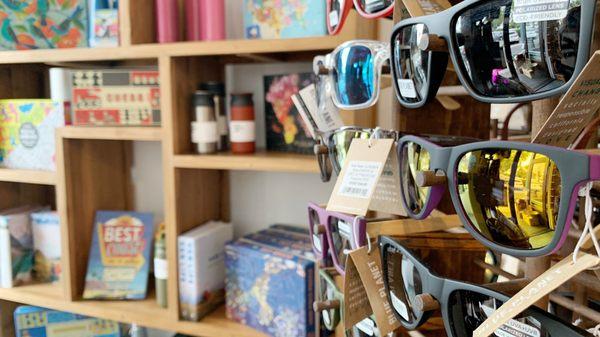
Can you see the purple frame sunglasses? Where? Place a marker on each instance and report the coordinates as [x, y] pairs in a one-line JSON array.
[[520, 213]]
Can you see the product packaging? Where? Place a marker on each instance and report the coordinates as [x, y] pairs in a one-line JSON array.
[[104, 23], [280, 19], [46, 245], [285, 128], [242, 126], [119, 258], [202, 269], [161, 267], [27, 133], [43, 24], [116, 97], [40, 322], [205, 130], [167, 21], [270, 289]]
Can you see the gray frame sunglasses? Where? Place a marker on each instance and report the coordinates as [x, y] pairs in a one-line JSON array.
[[444, 291], [443, 25], [575, 168]]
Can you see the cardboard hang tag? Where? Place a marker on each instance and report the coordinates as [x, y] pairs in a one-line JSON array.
[[576, 109], [360, 174], [425, 7], [386, 197], [534, 291], [356, 301]]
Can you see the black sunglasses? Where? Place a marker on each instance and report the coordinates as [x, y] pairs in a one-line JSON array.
[[502, 51], [414, 292]]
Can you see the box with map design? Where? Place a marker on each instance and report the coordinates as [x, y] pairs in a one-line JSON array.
[[269, 289], [284, 19], [27, 130]]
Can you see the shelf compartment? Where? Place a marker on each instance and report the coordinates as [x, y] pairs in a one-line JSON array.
[[259, 161], [28, 176], [142, 133], [145, 312]]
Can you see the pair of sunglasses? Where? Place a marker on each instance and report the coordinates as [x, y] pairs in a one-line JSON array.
[[502, 51], [415, 292], [332, 149], [351, 74], [337, 11], [516, 198], [330, 303]]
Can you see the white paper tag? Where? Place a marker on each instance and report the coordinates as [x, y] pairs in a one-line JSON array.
[[512, 328], [367, 326], [399, 306], [204, 132], [161, 269], [407, 88], [524, 11], [345, 229], [360, 179], [242, 131], [334, 18]]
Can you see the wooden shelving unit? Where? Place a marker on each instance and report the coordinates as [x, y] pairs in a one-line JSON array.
[[94, 163]]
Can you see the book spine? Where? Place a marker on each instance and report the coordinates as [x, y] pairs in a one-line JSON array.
[[6, 280]]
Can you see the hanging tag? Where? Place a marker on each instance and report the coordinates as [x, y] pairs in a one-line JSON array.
[[362, 169], [534, 291], [356, 302], [369, 268], [576, 109], [425, 7], [325, 115], [386, 197]]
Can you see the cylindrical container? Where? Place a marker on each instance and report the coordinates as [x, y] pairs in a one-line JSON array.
[[167, 21], [212, 20], [242, 128], [218, 90], [204, 122], [193, 18], [161, 267]]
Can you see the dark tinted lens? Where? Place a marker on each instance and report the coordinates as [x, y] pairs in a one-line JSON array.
[[341, 141], [468, 310], [510, 49], [404, 282], [375, 6], [353, 75], [511, 197], [414, 158], [341, 234], [335, 13], [411, 63], [316, 238]]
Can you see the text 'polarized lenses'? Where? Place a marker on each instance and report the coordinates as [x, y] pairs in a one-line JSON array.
[[404, 282], [507, 50], [468, 310], [511, 197], [354, 75], [414, 158], [411, 63]]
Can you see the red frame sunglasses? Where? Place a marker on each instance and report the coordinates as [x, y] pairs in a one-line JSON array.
[[344, 9]]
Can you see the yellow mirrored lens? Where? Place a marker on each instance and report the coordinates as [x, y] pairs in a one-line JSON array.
[[512, 197], [414, 159], [342, 141]]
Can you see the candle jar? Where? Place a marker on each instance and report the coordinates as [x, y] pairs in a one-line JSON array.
[[242, 128]]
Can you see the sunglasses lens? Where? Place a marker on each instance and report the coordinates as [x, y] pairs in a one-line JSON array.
[[341, 234], [327, 292], [375, 6], [411, 63], [316, 238], [404, 282], [341, 141], [353, 75], [523, 54], [335, 13], [414, 159], [511, 197], [467, 310]]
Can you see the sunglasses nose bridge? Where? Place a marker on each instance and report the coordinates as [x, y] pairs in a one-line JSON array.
[[426, 302], [430, 178]]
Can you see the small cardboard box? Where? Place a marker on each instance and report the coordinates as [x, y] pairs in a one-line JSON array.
[[40, 322], [282, 19]]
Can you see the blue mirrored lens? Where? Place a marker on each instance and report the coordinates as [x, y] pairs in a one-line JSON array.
[[353, 74]]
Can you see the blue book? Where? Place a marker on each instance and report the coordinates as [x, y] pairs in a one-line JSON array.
[[119, 256]]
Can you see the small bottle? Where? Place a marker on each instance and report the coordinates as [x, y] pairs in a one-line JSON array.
[[193, 18], [218, 89], [242, 128], [161, 267], [167, 21], [204, 122], [212, 20]]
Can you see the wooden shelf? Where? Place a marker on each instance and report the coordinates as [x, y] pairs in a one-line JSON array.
[[155, 50], [145, 312], [28, 176], [149, 133], [260, 161]]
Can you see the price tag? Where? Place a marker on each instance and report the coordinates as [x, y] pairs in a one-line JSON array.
[[407, 88]]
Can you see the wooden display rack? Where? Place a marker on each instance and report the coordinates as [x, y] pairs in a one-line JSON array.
[[94, 163]]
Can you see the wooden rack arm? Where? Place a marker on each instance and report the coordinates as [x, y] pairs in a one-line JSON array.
[[411, 226]]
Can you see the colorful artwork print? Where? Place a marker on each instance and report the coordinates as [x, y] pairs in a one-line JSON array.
[[34, 24], [119, 257], [27, 129], [286, 130], [274, 19]]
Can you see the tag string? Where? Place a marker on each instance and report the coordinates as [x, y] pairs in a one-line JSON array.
[[376, 134], [588, 228]]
